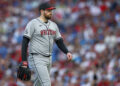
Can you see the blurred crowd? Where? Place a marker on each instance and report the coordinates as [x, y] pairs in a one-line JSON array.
[[90, 29]]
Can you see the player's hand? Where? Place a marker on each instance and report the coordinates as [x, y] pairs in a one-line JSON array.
[[69, 56]]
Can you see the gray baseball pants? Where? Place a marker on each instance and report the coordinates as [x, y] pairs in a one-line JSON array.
[[41, 66]]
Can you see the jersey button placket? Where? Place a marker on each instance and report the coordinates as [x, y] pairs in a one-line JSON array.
[[47, 26]]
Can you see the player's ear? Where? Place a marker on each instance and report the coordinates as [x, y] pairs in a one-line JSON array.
[[41, 12]]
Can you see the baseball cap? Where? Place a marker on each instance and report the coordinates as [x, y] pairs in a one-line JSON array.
[[46, 6]]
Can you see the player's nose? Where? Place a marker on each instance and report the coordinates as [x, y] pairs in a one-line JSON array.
[[50, 12]]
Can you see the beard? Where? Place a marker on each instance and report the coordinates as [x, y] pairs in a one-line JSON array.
[[47, 16]]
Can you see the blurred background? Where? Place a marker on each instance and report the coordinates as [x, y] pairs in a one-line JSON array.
[[90, 29]]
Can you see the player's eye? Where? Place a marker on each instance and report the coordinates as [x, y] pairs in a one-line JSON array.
[[49, 10]]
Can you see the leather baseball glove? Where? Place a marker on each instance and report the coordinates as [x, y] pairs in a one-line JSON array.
[[23, 71]]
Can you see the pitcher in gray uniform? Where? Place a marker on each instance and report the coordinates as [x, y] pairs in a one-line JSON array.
[[41, 33]]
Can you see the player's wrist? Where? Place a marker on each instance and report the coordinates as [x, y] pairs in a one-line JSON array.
[[24, 63], [68, 52]]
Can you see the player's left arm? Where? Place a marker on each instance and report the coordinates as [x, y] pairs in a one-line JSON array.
[[63, 48], [59, 41]]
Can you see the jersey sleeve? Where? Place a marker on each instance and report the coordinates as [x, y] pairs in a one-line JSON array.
[[29, 30], [58, 35]]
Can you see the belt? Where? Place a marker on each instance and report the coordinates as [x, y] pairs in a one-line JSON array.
[[40, 54]]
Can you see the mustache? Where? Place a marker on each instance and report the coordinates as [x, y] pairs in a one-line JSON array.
[[50, 14]]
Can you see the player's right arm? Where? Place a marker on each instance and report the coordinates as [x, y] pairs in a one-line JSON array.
[[23, 68], [26, 38], [25, 42]]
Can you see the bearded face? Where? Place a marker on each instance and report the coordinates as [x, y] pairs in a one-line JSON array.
[[48, 14]]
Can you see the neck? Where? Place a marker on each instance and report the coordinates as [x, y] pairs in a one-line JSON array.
[[42, 18]]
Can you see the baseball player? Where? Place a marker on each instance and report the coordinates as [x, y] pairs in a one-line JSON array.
[[41, 33]]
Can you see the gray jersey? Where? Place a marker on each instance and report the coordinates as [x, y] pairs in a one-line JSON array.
[[42, 36]]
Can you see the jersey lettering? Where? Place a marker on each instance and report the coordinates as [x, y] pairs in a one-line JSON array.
[[48, 32]]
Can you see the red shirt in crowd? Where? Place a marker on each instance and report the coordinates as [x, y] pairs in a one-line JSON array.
[[104, 83]]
